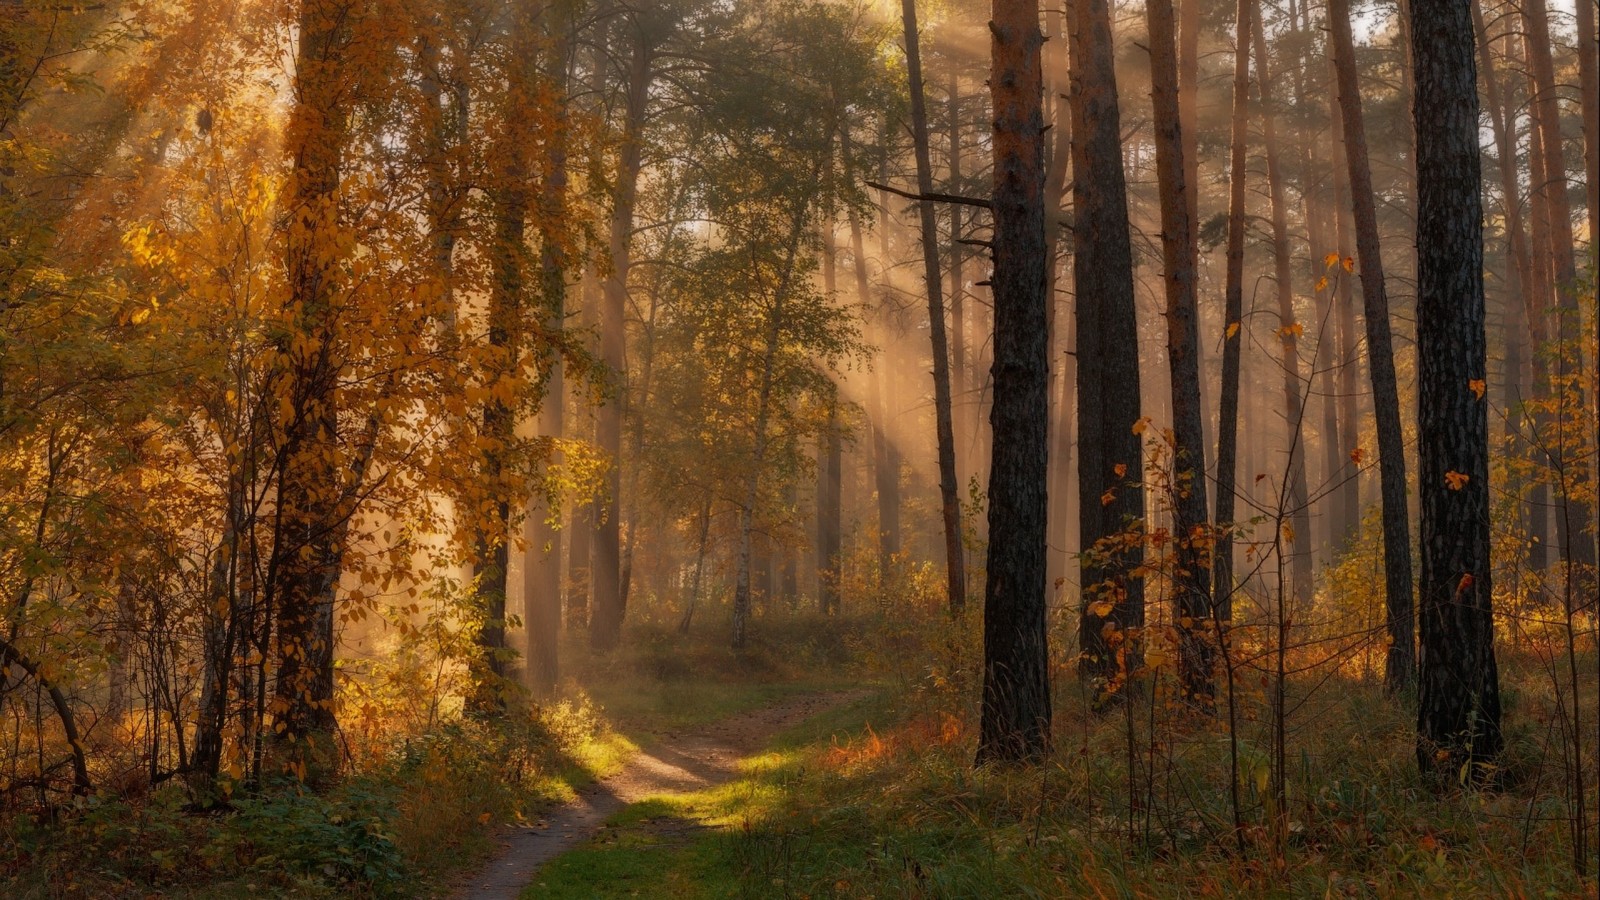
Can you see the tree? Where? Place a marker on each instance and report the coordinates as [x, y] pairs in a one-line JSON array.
[[1458, 709], [949, 490], [1180, 274], [1111, 500], [605, 622], [1015, 723], [1295, 493], [1232, 318], [1400, 661]]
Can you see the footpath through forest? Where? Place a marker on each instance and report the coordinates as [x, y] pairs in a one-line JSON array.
[[679, 762]]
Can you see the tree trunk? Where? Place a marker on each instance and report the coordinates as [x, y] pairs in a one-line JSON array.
[[1180, 268], [961, 412], [1346, 476], [605, 625], [1295, 493], [1015, 724], [1063, 360], [1573, 513], [305, 553], [949, 492], [1232, 319], [1400, 662], [830, 463], [1110, 457], [1458, 710]]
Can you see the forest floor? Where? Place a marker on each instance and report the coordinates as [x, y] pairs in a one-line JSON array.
[[669, 769]]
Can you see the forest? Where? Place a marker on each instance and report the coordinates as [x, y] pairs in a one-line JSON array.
[[799, 448]]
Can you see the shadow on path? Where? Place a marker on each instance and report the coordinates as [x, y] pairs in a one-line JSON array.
[[680, 762]]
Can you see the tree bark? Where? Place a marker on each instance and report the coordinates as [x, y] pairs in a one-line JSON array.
[[1232, 319], [949, 491], [1400, 661], [1458, 710], [1180, 269], [1015, 722], [1110, 457]]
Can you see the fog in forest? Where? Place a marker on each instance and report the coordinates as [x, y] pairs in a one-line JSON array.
[[705, 448]]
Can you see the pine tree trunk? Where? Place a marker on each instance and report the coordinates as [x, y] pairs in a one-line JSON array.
[[1525, 301], [949, 491], [1400, 662], [1232, 318], [1458, 710], [1573, 512], [1180, 272], [1110, 457], [1294, 494], [1015, 723]]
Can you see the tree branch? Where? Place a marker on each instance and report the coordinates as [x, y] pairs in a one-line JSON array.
[[933, 197]]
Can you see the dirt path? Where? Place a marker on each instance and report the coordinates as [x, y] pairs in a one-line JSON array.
[[680, 762]]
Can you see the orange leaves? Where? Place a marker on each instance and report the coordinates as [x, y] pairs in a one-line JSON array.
[[1121, 469], [1233, 330], [1477, 387], [1357, 455], [1293, 329], [1456, 480]]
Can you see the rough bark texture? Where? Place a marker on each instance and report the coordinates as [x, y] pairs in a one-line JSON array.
[[1232, 318], [1192, 575], [949, 489], [1015, 723], [1109, 454], [1400, 663], [1458, 709]]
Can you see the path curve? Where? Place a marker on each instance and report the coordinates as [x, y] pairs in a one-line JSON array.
[[679, 762]]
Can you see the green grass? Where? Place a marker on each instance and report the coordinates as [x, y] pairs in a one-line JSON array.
[[734, 824]]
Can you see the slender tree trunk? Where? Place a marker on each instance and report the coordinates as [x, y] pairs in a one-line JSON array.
[[1347, 523], [1526, 304], [830, 470], [1588, 52], [888, 475], [962, 418], [1458, 710], [605, 626], [1296, 492], [1180, 271], [1110, 457], [1015, 724], [1232, 318], [1400, 663], [1573, 512], [1063, 369], [949, 491]]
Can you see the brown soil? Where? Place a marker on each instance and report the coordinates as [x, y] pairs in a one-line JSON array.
[[678, 763]]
